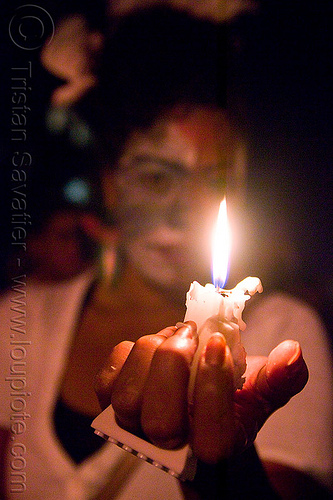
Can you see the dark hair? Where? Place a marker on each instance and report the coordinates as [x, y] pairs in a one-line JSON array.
[[154, 60]]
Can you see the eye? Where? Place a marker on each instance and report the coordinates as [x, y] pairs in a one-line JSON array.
[[157, 181]]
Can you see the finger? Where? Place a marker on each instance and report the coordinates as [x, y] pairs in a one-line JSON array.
[[284, 375], [164, 416], [270, 385], [128, 387], [107, 375], [253, 366], [213, 413]]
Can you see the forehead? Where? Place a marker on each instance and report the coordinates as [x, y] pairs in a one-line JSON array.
[[201, 137]]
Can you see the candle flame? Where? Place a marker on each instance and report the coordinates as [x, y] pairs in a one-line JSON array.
[[221, 247]]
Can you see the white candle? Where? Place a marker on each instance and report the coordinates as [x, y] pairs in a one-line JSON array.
[[218, 310]]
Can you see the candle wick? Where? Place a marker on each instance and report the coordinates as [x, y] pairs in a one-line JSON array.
[[224, 293], [227, 293]]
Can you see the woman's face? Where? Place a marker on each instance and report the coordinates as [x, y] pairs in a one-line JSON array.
[[169, 184]]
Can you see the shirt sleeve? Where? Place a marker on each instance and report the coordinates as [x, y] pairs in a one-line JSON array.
[[300, 433]]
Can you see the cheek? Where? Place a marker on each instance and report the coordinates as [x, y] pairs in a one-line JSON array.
[[202, 217], [137, 220]]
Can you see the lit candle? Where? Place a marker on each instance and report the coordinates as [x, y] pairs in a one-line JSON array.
[[214, 309]]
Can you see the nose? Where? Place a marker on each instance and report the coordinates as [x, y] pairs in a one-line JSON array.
[[179, 210]]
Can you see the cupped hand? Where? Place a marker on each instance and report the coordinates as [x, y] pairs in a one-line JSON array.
[[147, 384]]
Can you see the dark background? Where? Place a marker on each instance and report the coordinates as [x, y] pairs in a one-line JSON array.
[[287, 64]]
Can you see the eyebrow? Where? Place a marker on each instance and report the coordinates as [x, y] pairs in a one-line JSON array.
[[170, 164], [164, 162]]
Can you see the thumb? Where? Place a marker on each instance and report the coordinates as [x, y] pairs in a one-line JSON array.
[[284, 375]]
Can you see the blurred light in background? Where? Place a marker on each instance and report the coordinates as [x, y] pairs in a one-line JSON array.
[[77, 191]]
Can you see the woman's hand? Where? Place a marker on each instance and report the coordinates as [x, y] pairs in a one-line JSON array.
[[147, 384]]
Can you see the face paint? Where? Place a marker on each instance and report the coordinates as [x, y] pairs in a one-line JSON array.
[[170, 181]]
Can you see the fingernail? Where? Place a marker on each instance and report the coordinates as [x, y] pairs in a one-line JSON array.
[[215, 349], [295, 355], [186, 330]]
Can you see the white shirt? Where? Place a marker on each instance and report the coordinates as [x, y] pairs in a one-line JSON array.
[[37, 466]]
